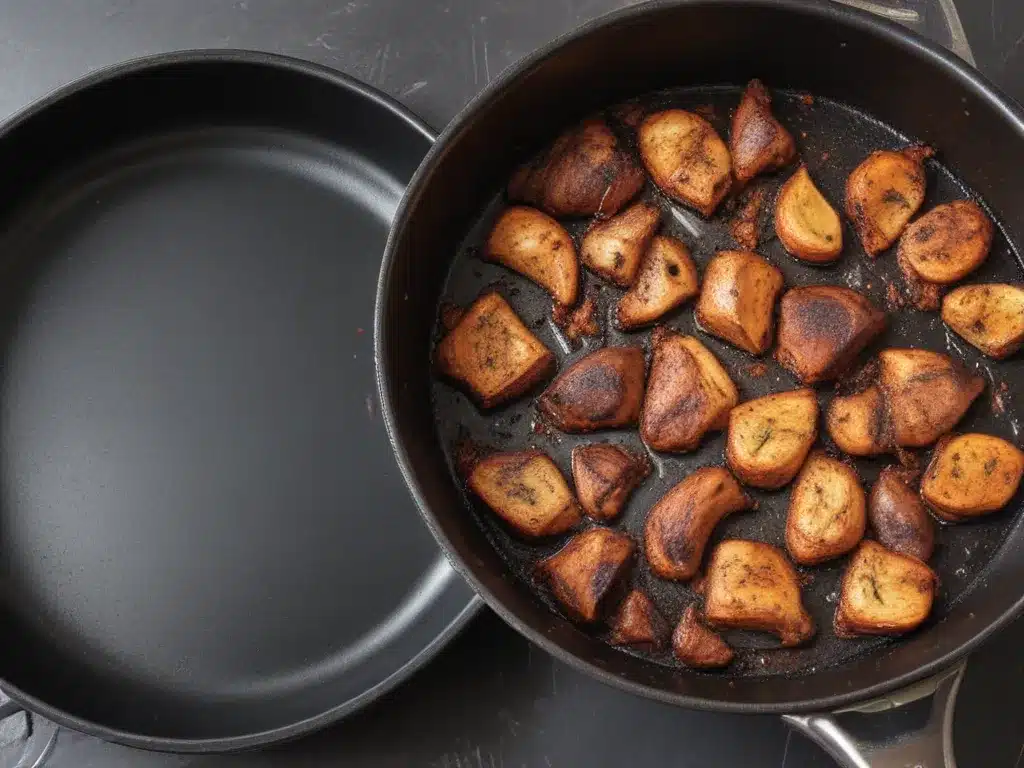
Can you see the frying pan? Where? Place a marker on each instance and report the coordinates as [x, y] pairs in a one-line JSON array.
[[836, 53]]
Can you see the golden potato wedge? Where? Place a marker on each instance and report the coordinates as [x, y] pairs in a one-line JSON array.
[[678, 526], [752, 585], [827, 514], [971, 475], [898, 516], [757, 141], [697, 646], [738, 299], [638, 623], [883, 193], [689, 393], [808, 227], [745, 226], [770, 437], [585, 172], [686, 158], [989, 317], [614, 248], [859, 424], [526, 490], [605, 476], [667, 279], [536, 246], [883, 593], [492, 354], [602, 390], [822, 329], [583, 573]]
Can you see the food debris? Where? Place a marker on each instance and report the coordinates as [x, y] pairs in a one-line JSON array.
[[806, 99], [999, 398], [578, 322], [757, 370], [893, 298], [745, 225]]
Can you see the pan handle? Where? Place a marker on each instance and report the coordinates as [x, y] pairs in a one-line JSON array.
[[931, 746]]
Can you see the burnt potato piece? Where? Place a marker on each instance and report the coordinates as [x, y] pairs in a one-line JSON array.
[[989, 317], [526, 490], [686, 158], [585, 571], [883, 593], [822, 329], [752, 585], [492, 354], [738, 299], [697, 646], [971, 475], [638, 623], [667, 279], [602, 390], [770, 437], [614, 248], [536, 246], [678, 526], [585, 172], [757, 141], [605, 476], [827, 515], [883, 193], [808, 227], [689, 393], [898, 516]]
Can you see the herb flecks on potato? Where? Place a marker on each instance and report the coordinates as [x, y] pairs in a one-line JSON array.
[[971, 475], [770, 437], [666, 280], [696, 645], [587, 569], [536, 246], [758, 142], [807, 225], [614, 248], [605, 476], [605, 389], [827, 514], [737, 300], [990, 317]]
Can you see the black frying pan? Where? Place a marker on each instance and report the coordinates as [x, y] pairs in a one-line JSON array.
[[847, 59]]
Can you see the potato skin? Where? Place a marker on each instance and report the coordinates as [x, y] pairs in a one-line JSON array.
[[583, 573], [971, 475], [614, 248], [533, 244], [602, 390], [883, 193], [758, 142], [990, 317], [667, 279], [898, 516], [697, 646], [637, 623], [605, 476], [795, 413], [737, 300], [826, 488]]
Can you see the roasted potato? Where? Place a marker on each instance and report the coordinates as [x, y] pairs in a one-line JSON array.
[[678, 526], [770, 437], [536, 246], [638, 623], [689, 393], [883, 193], [686, 158], [585, 172], [898, 516], [526, 490], [602, 390], [492, 354], [822, 329], [605, 476], [586, 570], [667, 278], [971, 475], [752, 585], [827, 515], [614, 248], [757, 141], [989, 317], [578, 321], [745, 226], [738, 299], [808, 227], [883, 593], [697, 646]]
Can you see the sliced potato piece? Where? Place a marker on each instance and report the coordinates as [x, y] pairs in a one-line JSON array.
[[536, 246], [808, 227], [757, 141], [827, 514], [605, 476], [971, 475], [990, 317], [638, 623], [738, 298], [583, 573], [697, 646], [859, 424], [605, 389], [898, 516], [614, 248], [770, 437], [667, 278], [745, 226]]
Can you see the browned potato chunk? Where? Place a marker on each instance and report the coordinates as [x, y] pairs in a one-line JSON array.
[[971, 475], [602, 390], [859, 424], [678, 526], [758, 142], [989, 317], [770, 437], [689, 393], [585, 172], [536, 246], [686, 158], [585, 570], [808, 227], [492, 354], [898, 516], [883, 593], [606, 475], [697, 646], [822, 329], [638, 623], [745, 226], [827, 514], [526, 490], [666, 280], [614, 248], [883, 193], [738, 298], [752, 585]]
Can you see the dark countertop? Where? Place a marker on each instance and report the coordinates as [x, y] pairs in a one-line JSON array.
[[490, 699]]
